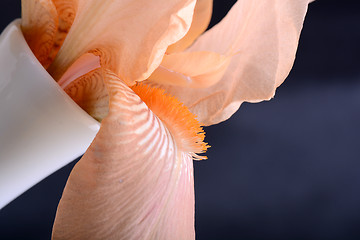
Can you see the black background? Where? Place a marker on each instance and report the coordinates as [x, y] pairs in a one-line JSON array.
[[284, 169]]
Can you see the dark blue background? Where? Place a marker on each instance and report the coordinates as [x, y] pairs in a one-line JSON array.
[[284, 169]]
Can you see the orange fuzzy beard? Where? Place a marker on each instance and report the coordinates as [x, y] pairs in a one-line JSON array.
[[187, 131]]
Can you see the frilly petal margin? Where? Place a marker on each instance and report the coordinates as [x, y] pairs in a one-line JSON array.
[[132, 182], [261, 37]]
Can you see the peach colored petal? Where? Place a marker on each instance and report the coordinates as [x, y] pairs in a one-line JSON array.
[[66, 10], [90, 93], [134, 34], [39, 22], [191, 69], [83, 82], [262, 37], [132, 183], [201, 20]]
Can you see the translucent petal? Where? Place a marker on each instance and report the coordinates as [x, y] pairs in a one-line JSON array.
[[133, 34], [191, 69], [261, 37], [201, 20]]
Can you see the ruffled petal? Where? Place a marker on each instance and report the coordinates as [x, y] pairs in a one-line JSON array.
[[201, 20], [132, 183], [39, 23], [134, 34], [261, 37]]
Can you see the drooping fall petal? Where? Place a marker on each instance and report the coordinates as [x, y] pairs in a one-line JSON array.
[[262, 37], [201, 20], [39, 22], [133, 182], [134, 34]]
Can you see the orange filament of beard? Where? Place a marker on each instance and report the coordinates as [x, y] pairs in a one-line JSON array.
[[187, 131]]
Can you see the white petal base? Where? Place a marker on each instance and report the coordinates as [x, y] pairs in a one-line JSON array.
[[41, 128]]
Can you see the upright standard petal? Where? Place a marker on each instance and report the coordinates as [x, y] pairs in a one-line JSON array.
[[133, 35], [133, 182], [201, 20], [261, 37], [39, 23], [192, 69]]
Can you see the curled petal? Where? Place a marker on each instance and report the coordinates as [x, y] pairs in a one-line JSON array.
[[262, 37], [136, 32], [132, 183], [39, 22], [201, 20]]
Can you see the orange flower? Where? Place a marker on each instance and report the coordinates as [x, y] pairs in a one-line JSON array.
[[134, 66]]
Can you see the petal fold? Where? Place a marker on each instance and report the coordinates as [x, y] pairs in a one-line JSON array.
[[191, 69], [135, 34], [201, 20], [261, 37], [132, 183]]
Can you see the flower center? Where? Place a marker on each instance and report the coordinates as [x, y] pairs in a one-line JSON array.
[[187, 131]]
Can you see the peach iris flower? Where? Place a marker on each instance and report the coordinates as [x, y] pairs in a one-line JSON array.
[[146, 70]]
